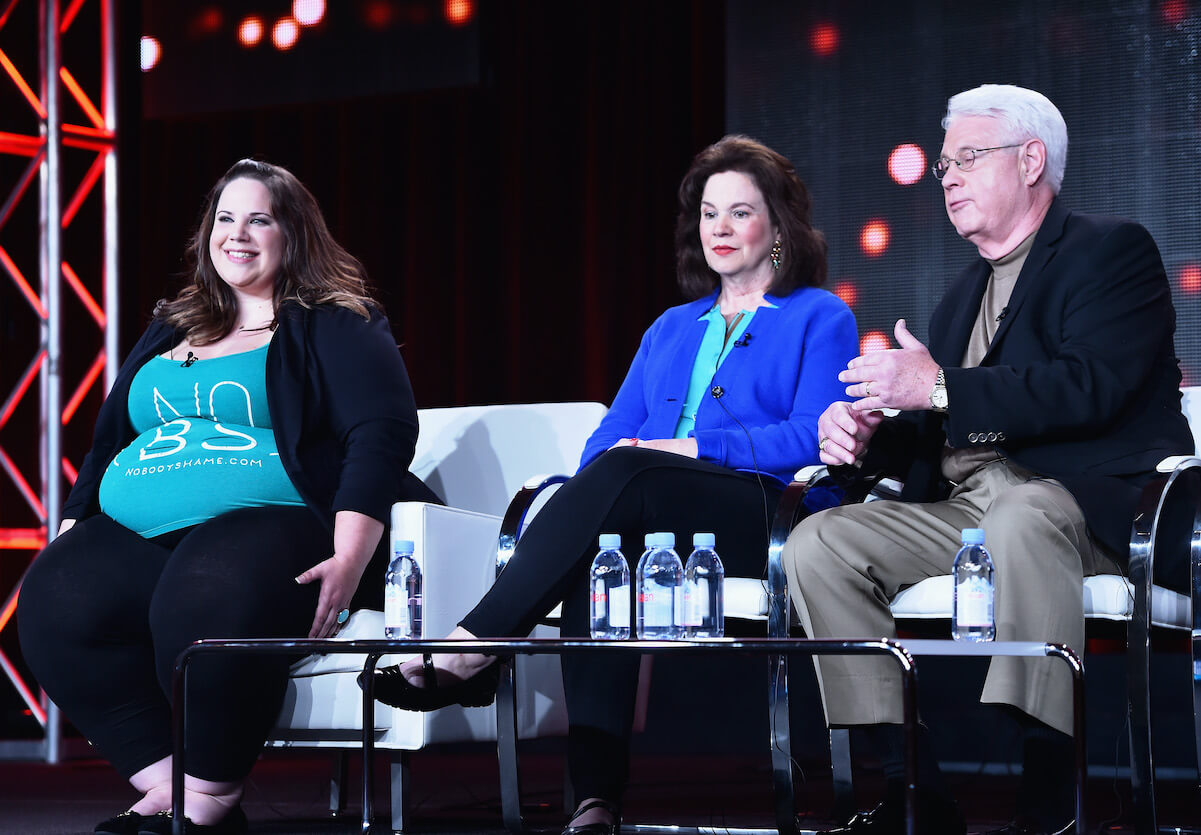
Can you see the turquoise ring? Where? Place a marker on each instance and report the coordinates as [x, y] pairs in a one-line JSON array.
[[343, 616]]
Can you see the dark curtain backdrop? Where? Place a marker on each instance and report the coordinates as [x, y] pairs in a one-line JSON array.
[[519, 232]]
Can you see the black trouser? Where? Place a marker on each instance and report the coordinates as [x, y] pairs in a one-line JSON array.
[[632, 492], [104, 613]]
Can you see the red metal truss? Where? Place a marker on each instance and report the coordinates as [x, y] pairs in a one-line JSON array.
[[53, 147]]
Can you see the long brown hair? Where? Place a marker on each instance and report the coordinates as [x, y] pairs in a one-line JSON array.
[[803, 248], [315, 269]]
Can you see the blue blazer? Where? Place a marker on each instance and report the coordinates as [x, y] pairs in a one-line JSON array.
[[762, 408]]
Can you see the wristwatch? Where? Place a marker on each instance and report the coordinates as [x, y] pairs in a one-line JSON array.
[[938, 396]]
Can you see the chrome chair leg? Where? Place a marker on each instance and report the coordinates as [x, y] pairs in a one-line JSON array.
[[843, 773]]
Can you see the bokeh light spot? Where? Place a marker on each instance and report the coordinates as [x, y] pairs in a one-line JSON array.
[[458, 12], [1189, 279], [250, 31], [824, 39], [1173, 11], [284, 33], [874, 341], [207, 22], [151, 52], [874, 237], [906, 164], [308, 12], [848, 292]]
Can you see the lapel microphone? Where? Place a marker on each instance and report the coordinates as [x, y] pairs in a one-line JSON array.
[[188, 362]]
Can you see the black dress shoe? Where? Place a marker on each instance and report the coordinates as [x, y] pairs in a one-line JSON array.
[[234, 823], [393, 689], [126, 823], [937, 814], [598, 828], [1027, 827]]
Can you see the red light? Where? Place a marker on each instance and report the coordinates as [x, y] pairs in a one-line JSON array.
[[379, 14], [906, 164], [1189, 280], [848, 292], [206, 22], [458, 12], [284, 33], [308, 12], [874, 341], [151, 52], [823, 39], [874, 238], [1173, 11], [250, 31]]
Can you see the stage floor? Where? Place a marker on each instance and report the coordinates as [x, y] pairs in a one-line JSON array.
[[456, 791]]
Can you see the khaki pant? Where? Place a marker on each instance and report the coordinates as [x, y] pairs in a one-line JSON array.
[[845, 564]]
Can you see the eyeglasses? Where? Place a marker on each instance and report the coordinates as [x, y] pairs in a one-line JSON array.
[[965, 159]]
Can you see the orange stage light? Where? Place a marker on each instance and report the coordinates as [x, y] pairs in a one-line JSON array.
[[848, 292], [250, 31], [308, 12], [874, 341], [874, 237], [151, 51], [906, 164], [284, 33], [824, 39], [458, 12], [1189, 279]]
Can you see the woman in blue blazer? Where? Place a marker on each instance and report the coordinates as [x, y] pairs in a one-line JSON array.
[[717, 412]]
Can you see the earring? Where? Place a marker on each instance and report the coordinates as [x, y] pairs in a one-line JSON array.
[[775, 255]]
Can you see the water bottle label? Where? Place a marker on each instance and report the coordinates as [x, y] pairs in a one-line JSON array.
[[600, 600], [975, 602], [658, 608], [396, 610], [696, 602], [619, 607]]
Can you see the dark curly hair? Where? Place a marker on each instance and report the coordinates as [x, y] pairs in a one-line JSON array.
[[315, 268], [803, 248]]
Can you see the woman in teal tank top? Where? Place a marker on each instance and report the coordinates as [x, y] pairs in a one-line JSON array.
[[237, 486]]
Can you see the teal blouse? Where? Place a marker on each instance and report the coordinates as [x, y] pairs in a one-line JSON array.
[[715, 347], [204, 445]]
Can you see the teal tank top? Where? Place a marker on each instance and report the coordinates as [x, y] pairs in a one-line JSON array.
[[204, 445]]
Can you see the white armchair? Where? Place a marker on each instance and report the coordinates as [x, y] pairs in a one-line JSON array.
[[476, 458]]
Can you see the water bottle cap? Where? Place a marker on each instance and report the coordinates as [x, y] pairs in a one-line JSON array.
[[610, 540], [662, 539], [973, 536], [402, 546], [703, 540]]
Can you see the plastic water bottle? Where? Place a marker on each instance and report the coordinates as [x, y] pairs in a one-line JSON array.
[[972, 615], [704, 578], [402, 592], [610, 591], [660, 589]]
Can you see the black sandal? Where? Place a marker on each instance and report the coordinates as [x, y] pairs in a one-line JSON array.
[[393, 689], [597, 828]]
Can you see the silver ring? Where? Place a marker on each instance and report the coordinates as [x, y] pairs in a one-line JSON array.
[[821, 445], [343, 616], [867, 389]]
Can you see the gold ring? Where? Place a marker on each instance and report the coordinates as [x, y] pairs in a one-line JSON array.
[[867, 389], [821, 445]]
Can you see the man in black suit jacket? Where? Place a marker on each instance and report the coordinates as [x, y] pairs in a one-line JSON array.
[[1049, 393]]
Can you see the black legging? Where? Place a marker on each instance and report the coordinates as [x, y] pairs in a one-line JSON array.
[[632, 492], [104, 613]]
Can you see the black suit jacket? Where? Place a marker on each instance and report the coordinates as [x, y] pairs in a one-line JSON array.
[[1080, 383]]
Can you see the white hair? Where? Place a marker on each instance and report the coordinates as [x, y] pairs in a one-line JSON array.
[[1026, 114]]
